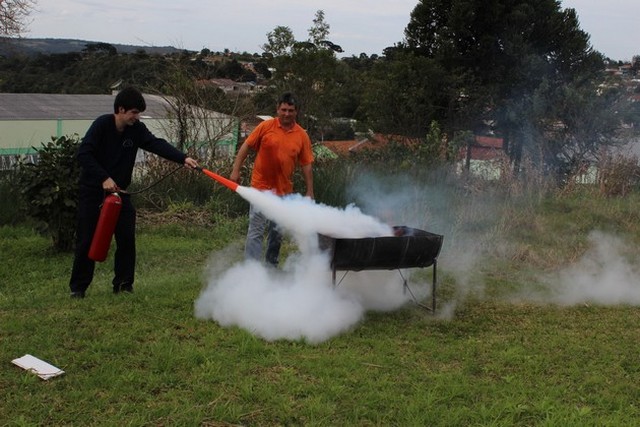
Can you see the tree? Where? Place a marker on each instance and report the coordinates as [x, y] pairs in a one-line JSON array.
[[311, 71], [499, 54], [105, 48], [405, 95], [263, 69], [13, 16], [585, 122], [202, 117], [279, 41], [635, 64], [319, 32]]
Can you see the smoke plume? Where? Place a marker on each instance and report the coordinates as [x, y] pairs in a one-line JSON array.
[[604, 275], [299, 301]]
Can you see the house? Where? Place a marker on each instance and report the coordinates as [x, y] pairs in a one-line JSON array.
[[27, 120], [371, 141], [484, 158], [249, 124], [231, 86]]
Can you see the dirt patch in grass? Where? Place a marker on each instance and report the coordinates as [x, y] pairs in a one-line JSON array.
[[199, 217]]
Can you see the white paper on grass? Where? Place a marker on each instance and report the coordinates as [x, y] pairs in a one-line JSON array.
[[39, 367]]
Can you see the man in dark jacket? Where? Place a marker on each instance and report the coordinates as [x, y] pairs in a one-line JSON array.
[[107, 156]]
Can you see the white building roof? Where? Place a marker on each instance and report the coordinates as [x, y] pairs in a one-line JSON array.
[[44, 106]]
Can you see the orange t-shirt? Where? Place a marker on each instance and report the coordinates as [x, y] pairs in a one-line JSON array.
[[278, 152]]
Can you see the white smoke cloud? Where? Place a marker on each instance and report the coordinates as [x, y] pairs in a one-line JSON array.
[[279, 304], [604, 275], [301, 216], [468, 222], [299, 301], [472, 226]]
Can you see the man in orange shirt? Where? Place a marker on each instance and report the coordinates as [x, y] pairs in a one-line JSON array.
[[280, 145]]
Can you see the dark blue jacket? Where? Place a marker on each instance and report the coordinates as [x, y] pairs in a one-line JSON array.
[[106, 153]]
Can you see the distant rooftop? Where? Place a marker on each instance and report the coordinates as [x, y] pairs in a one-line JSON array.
[[44, 106]]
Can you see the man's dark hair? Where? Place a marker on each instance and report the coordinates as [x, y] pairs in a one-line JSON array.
[[288, 98], [129, 98]]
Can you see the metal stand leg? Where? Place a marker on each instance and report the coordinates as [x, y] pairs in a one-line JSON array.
[[333, 277], [433, 285], [406, 287]]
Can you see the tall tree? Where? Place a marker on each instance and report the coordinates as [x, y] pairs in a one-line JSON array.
[[499, 53], [310, 70], [404, 95], [279, 41], [319, 32], [14, 15]]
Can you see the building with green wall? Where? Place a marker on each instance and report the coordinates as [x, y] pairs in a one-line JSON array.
[[28, 120]]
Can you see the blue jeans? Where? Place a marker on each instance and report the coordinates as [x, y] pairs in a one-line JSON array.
[[258, 223]]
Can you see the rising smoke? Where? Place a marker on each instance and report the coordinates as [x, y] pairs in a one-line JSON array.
[[474, 223], [300, 300], [605, 275]]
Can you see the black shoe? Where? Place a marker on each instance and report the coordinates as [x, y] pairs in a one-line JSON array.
[[77, 294], [122, 287]]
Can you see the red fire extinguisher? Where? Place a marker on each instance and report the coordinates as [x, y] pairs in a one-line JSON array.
[[106, 225]]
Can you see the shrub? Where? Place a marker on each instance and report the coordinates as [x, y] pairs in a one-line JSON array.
[[49, 189], [618, 175], [11, 206], [330, 180]]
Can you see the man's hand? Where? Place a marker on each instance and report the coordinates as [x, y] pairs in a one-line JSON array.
[[310, 194], [110, 186], [190, 163]]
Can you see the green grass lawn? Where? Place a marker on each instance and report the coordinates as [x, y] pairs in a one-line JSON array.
[[144, 359]]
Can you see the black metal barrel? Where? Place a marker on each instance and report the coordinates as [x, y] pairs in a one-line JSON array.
[[407, 248]]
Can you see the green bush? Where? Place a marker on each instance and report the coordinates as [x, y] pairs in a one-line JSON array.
[[11, 206], [330, 180], [49, 189]]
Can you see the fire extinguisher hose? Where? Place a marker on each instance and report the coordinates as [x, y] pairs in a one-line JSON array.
[[162, 178]]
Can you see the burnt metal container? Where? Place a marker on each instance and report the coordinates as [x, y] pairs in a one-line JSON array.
[[407, 248]]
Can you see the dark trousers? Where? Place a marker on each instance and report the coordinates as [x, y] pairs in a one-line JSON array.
[[89, 204]]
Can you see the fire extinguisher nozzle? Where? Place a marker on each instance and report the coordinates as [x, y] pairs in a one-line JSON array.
[[222, 180]]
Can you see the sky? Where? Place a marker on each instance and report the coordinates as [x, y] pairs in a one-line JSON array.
[[358, 26]]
